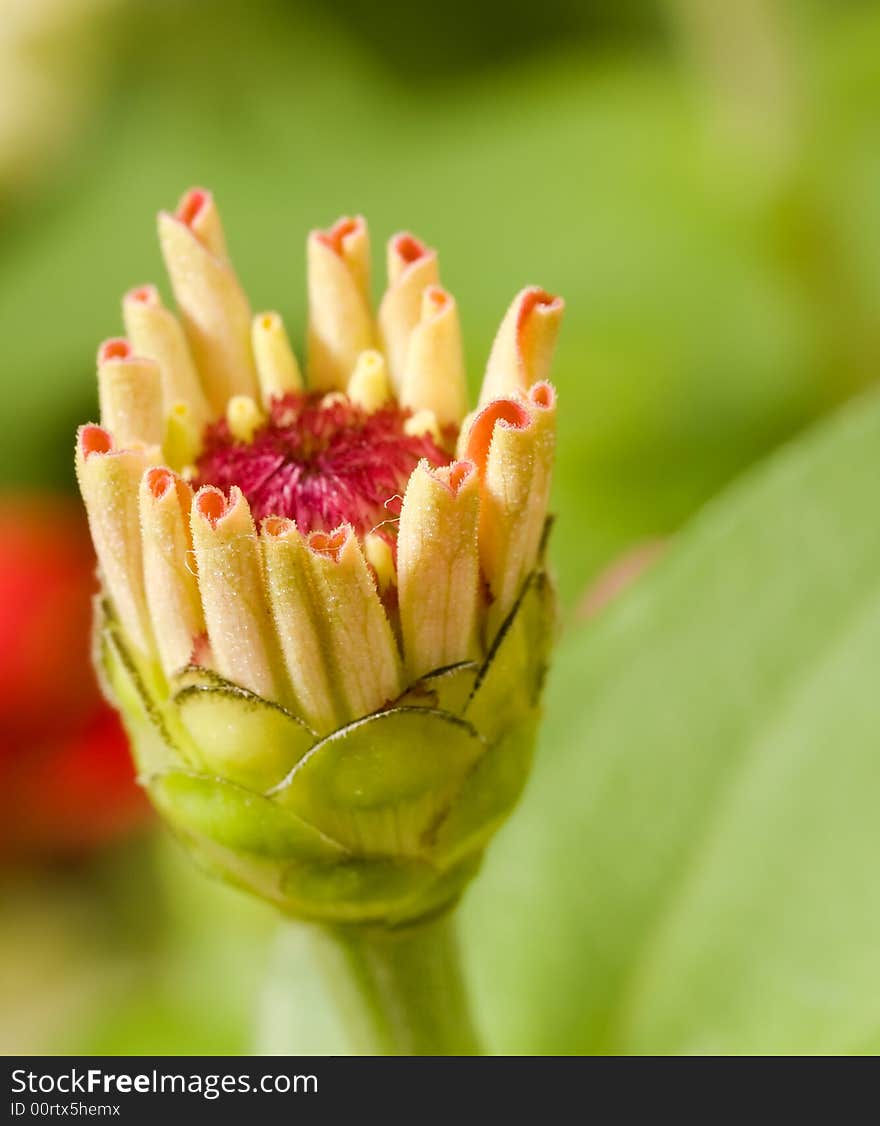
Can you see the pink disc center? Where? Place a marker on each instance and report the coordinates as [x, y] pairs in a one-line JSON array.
[[320, 465]]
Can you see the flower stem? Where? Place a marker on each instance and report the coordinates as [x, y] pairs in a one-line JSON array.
[[401, 992]]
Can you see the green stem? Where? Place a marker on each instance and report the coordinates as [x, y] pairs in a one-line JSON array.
[[401, 992]]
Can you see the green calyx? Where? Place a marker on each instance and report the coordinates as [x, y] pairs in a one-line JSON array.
[[384, 820]]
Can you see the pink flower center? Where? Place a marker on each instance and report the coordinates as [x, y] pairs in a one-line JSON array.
[[320, 463]]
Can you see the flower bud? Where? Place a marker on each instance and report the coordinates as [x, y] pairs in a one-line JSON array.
[[327, 637]]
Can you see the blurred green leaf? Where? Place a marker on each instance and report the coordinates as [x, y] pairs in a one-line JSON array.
[[694, 867]]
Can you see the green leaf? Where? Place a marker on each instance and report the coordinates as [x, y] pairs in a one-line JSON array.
[[241, 736], [380, 783], [694, 866]]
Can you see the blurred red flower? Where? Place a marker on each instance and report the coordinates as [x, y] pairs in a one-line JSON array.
[[66, 780]]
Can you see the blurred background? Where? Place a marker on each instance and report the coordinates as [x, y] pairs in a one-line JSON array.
[[699, 179]]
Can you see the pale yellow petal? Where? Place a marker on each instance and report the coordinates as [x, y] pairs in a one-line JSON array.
[[231, 584], [366, 662], [300, 626], [412, 267], [108, 479], [172, 588], [130, 395], [523, 349], [438, 566], [277, 368], [340, 322], [155, 332], [213, 308], [511, 441], [434, 376], [369, 387]]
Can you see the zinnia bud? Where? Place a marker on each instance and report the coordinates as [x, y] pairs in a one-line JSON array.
[[327, 636]]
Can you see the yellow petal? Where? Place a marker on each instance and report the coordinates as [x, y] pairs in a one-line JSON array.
[[234, 601], [108, 479], [130, 395], [277, 368], [244, 417], [155, 332], [198, 210], [299, 624], [412, 267], [182, 442], [369, 387], [523, 349], [379, 555], [172, 588], [213, 307], [511, 441], [340, 323], [360, 643], [434, 376], [438, 566]]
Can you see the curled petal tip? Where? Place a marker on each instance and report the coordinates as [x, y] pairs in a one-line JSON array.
[[143, 295], [191, 205], [523, 349], [435, 300], [210, 503], [457, 474], [340, 234], [499, 412], [94, 439], [535, 300], [160, 481], [453, 476], [405, 249], [331, 544], [117, 348], [542, 395], [275, 527]]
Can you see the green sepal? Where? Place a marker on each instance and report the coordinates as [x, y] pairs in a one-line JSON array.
[[380, 783], [443, 891], [488, 795], [512, 676], [152, 745], [447, 689], [355, 890], [238, 819], [197, 676], [241, 736]]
